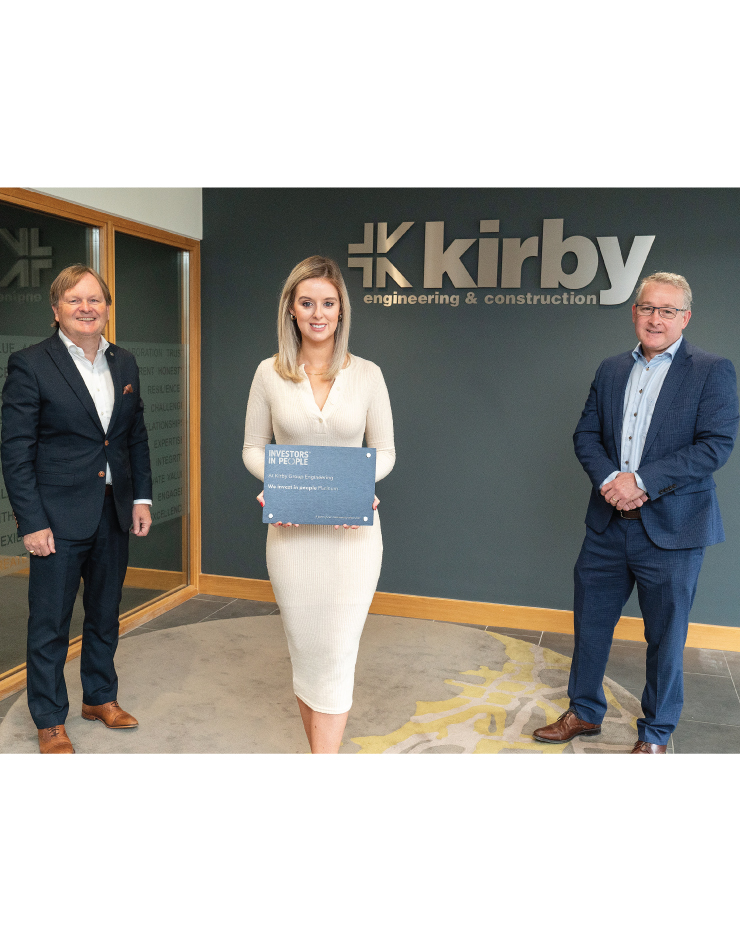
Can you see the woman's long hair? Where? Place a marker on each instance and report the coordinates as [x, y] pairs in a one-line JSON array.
[[289, 336]]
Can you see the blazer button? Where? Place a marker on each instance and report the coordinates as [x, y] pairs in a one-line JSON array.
[[106, 443], [101, 473]]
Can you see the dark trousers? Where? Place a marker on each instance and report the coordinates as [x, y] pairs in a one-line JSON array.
[[54, 581], [608, 567]]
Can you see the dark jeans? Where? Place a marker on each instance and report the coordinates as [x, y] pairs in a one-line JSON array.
[[607, 569], [54, 581]]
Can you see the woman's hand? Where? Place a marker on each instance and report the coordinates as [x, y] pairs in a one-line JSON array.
[[376, 503], [261, 501]]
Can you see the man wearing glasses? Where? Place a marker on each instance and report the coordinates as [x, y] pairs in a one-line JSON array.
[[75, 459], [657, 423]]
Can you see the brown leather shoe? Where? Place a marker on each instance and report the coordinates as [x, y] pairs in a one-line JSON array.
[[111, 714], [54, 740], [567, 727], [644, 747]]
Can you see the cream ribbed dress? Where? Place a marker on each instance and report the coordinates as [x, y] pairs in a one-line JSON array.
[[323, 578]]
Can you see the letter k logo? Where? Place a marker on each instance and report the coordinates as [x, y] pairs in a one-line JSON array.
[[383, 266], [32, 259]]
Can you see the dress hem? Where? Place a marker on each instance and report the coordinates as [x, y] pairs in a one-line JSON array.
[[322, 711]]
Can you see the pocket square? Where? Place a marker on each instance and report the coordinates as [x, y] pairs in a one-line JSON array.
[[128, 390]]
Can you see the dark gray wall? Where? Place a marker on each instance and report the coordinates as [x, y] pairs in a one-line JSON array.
[[486, 501]]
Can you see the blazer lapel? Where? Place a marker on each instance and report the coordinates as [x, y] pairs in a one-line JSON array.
[[676, 375], [619, 385], [115, 374], [59, 353]]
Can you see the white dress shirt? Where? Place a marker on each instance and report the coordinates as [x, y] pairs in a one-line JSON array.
[[99, 382]]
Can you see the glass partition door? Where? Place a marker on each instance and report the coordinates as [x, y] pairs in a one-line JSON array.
[[34, 248], [151, 317]]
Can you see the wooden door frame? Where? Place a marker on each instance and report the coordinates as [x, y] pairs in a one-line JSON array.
[[108, 225]]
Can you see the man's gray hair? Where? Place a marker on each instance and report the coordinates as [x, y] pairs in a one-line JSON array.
[[665, 277]]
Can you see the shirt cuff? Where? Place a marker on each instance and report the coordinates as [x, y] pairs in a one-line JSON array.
[[147, 501], [638, 481], [609, 479]]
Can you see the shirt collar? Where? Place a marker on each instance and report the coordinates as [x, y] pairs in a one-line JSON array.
[[73, 349], [670, 352]]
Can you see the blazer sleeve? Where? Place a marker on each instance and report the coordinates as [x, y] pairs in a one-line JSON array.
[[588, 438], [714, 436], [138, 451], [20, 433]]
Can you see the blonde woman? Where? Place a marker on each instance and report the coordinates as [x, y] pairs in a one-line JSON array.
[[313, 392]]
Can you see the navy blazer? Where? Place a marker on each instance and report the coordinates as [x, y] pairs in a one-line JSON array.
[[691, 434], [54, 449]]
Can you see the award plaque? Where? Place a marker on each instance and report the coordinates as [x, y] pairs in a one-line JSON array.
[[319, 485]]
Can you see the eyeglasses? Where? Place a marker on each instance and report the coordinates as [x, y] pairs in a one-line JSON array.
[[668, 313]]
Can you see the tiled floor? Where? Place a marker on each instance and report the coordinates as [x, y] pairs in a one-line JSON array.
[[204, 607], [15, 616], [710, 723], [197, 610]]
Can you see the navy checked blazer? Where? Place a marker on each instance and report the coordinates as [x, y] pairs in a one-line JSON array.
[[691, 434], [54, 449]]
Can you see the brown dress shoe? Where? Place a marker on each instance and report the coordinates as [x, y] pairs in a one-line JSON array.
[[111, 714], [567, 727], [644, 747], [54, 740]]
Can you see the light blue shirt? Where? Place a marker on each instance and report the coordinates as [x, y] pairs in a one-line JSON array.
[[640, 398]]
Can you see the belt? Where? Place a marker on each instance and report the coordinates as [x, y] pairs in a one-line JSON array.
[[108, 489], [629, 513]]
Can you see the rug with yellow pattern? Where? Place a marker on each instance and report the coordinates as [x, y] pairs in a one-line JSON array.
[[421, 686], [495, 705]]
